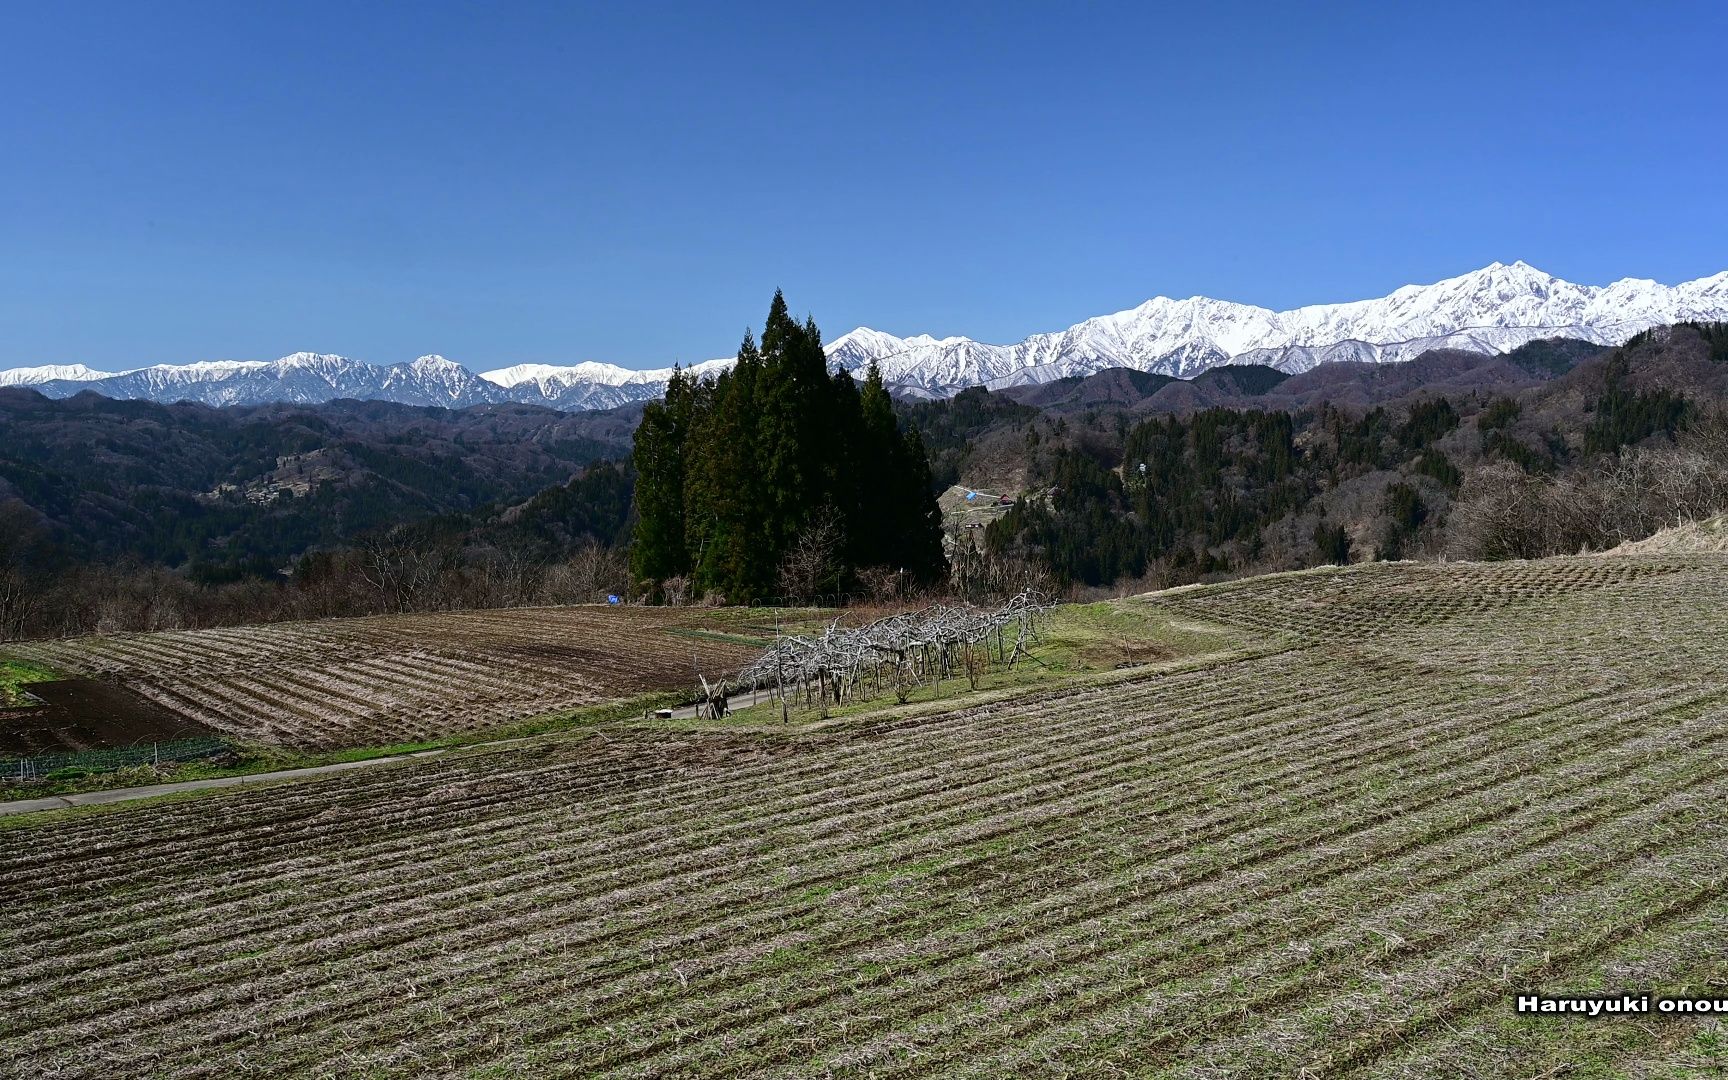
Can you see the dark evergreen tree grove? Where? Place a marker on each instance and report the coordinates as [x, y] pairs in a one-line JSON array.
[[733, 471], [659, 551], [917, 537], [729, 532], [1624, 416]]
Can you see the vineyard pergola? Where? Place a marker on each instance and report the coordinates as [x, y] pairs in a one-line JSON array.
[[897, 653]]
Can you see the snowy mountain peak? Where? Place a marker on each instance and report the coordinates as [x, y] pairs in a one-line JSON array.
[[203, 369], [521, 373], [434, 362], [854, 350], [47, 373], [1493, 309], [590, 371], [589, 384]]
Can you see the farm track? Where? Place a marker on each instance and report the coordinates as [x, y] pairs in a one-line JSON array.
[[1344, 858]]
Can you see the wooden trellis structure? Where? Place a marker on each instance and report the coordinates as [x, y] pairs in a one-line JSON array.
[[896, 653]]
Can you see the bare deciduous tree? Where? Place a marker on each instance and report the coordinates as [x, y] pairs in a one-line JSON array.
[[1504, 512], [402, 569], [812, 559], [586, 577], [675, 590]]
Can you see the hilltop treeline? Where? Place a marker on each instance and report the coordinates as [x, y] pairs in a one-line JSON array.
[[1588, 455], [779, 479]]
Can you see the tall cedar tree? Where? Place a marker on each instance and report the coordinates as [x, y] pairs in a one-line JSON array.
[[658, 551], [732, 470]]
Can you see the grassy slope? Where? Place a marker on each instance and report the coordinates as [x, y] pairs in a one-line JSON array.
[[16, 675], [1709, 535], [1336, 849], [1073, 640], [249, 759]]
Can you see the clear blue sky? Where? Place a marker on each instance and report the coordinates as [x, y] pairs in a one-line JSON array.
[[509, 183]]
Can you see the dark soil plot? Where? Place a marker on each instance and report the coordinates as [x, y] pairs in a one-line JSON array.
[[89, 714]]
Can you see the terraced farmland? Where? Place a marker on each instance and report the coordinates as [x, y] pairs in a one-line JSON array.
[[350, 682], [1341, 854]]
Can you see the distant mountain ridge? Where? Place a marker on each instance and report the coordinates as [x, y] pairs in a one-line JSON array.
[[1492, 310]]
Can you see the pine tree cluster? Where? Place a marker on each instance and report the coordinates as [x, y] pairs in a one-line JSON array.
[[735, 472]]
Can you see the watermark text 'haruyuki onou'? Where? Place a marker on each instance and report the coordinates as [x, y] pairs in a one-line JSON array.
[[1620, 1005]]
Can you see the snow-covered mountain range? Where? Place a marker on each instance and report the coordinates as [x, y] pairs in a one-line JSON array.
[[1493, 309], [302, 377], [588, 385]]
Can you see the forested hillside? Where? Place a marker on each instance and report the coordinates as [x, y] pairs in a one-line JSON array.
[[220, 492], [132, 515], [1550, 449]]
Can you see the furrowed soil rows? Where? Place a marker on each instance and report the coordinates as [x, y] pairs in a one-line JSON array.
[[1452, 784], [388, 679]]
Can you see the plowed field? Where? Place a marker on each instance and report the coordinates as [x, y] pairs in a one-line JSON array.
[[1425, 790]]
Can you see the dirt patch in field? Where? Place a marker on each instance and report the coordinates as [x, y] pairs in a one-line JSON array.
[[88, 714], [1122, 654], [570, 653]]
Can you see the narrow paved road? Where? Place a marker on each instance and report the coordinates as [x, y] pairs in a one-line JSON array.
[[98, 798], [733, 704]]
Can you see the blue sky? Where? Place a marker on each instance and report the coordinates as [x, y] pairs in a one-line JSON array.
[[508, 183]]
